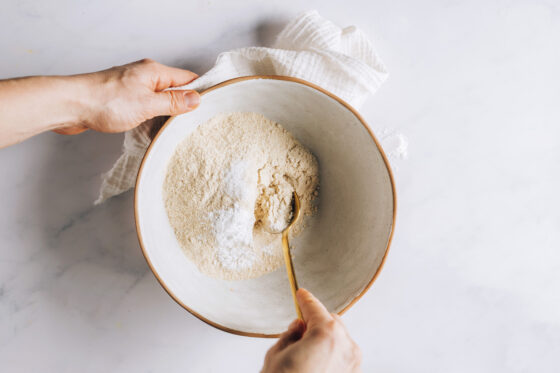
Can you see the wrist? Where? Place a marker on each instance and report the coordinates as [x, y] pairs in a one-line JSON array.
[[75, 98]]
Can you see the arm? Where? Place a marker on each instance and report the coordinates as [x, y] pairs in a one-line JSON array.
[[321, 344], [113, 100]]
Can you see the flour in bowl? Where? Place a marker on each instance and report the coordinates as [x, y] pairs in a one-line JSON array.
[[229, 184]]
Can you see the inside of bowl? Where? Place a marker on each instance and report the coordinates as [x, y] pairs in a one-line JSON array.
[[337, 255]]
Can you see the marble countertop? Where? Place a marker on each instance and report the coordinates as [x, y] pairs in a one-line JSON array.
[[472, 282]]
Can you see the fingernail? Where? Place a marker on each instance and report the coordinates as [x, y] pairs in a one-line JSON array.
[[192, 99], [301, 294]]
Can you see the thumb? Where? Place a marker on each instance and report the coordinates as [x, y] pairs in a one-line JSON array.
[[313, 311], [175, 102]]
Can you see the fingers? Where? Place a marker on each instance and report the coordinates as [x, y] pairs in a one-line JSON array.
[[174, 102], [354, 353], [173, 77], [166, 76], [314, 313], [293, 334]]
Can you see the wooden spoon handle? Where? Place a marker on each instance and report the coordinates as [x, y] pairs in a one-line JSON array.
[[290, 271]]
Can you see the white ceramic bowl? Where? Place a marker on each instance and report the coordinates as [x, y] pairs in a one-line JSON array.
[[337, 257]]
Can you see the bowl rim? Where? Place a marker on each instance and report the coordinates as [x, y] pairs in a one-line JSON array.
[[322, 90]]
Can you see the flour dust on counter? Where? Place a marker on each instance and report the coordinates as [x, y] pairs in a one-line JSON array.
[[229, 185]]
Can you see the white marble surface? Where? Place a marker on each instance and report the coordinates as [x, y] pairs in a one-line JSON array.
[[472, 283]]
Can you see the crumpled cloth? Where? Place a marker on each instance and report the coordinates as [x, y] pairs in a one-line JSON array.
[[341, 60]]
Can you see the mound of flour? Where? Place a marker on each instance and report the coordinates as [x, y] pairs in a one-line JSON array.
[[228, 184]]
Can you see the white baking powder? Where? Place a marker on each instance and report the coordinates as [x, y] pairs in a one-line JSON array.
[[233, 226]]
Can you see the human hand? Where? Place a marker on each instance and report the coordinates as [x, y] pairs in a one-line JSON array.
[[321, 344], [123, 97]]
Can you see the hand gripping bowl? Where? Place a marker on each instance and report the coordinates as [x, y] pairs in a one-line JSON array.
[[340, 253]]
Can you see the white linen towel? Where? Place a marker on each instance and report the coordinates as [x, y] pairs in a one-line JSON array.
[[341, 60]]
